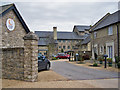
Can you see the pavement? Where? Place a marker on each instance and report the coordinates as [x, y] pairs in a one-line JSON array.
[[46, 79], [74, 72], [62, 75]]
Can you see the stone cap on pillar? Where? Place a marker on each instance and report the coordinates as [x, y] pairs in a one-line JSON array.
[[30, 36]]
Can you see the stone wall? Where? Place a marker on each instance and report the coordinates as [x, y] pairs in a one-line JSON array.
[[13, 63], [67, 43], [19, 56], [21, 63], [31, 57], [11, 39], [103, 38]]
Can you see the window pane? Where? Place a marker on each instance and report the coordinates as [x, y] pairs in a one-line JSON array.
[[63, 47], [63, 40], [110, 30], [59, 40], [68, 47]]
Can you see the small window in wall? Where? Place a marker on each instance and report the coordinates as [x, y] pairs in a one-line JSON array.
[[59, 46], [110, 30], [68, 40], [63, 40], [101, 50], [68, 47], [95, 35], [63, 47], [45, 53], [59, 40]]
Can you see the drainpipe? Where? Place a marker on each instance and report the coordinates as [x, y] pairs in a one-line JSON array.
[[118, 40]]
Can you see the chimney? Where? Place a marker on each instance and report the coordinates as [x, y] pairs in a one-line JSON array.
[[55, 33]]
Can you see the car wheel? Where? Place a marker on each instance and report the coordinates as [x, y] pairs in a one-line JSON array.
[[48, 66]]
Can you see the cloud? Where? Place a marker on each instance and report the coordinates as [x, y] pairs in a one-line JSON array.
[[64, 15]]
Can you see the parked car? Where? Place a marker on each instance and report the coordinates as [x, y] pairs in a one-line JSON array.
[[54, 55], [43, 63], [63, 56]]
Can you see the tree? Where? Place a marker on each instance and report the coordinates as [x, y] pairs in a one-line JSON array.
[[52, 45]]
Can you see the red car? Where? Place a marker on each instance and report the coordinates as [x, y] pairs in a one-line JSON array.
[[63, 56]]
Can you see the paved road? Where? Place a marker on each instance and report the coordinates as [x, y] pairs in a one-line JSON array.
[[74, 72]]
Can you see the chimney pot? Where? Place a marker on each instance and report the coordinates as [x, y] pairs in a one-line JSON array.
[[55, 33]]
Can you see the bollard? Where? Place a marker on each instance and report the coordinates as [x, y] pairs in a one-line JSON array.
[[76, 56], [105, 61], [69, 58]]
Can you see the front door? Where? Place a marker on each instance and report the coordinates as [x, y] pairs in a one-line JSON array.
[[110, 52]]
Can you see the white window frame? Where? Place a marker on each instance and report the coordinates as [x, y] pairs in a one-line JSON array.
[[101, 49], [110, 30], [110, 44]]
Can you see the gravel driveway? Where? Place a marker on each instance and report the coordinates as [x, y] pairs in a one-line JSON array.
[[73, 72]]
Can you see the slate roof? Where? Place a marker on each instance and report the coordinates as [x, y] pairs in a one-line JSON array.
[[86, 40], [44, 33], [109, 20], [6, 8], [42, 43], [69, 35], [81, 28], [60, 36]]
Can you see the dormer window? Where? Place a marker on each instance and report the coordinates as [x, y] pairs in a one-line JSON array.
[[110, 30]]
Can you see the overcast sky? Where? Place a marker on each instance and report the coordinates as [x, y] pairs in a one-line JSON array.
[[42, 16]]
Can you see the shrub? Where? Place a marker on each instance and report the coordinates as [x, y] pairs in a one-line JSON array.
[[116, 59], [95, 64], [80, 59], [86, 57], [109, 60], [100, 58], [118, 64], [54, 58]]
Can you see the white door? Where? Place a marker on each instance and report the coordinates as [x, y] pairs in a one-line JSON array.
[[110, 52]]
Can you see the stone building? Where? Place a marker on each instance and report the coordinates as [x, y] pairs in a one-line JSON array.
[[66, 41], [81, 29], [104, 35], [85, 45], [18, 46]]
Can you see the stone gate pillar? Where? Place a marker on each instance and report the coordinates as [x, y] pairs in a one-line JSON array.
[[30, 57]]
